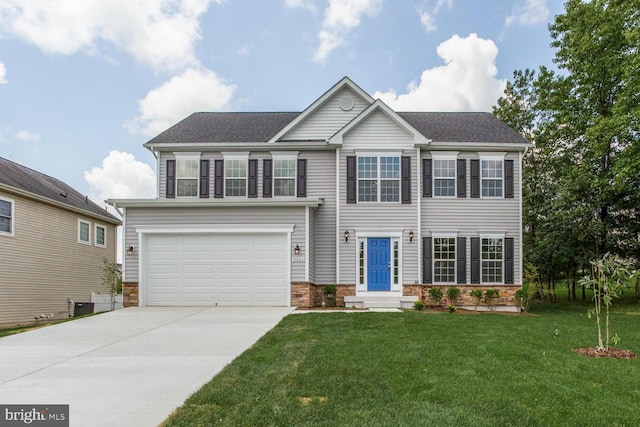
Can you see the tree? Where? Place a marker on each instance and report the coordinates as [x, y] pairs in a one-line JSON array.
[[111, 280]]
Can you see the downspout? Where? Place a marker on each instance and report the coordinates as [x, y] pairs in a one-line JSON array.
[[520, 209], [337, 233], [419, 201]]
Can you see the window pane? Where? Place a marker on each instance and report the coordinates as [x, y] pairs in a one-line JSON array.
[[235, 172], [235, 168], [444, 187], [84, 232], [492, 178], [390, 191], [236, 187], [390, 167], [187, 187], [187, 168], [367, 167], [284, 187], [367, 191], [284, 168], [5, 224], [444, 173], [444, 255], [492, 187], [492, 260], [5, 208], [99, 236]]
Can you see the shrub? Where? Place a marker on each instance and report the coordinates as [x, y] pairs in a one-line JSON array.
[[490, 297], [330, 293], [418, 305], [452, 295], [476, 294], [452, 308], [436, 295]]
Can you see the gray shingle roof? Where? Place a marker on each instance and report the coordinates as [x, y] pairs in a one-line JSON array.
[[29, 180], [260, 127]]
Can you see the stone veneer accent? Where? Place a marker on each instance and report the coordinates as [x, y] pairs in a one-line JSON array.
[[309, 295], [506, 298], [130, 294]]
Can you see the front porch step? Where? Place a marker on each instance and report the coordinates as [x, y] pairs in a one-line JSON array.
[[380, 301]]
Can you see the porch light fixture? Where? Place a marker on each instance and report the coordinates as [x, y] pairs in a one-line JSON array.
[[296, 250], [130, 250], [346, 235], [411, 236]]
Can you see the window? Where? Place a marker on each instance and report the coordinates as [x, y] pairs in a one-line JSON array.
[[84, 232], [444, 177], [361, 276], [6, 216], [100, 236], [187, 177], [491, 178], [284, 177], [491, 260], [444, 259], [379, 179], [235, 177], [396, 263]]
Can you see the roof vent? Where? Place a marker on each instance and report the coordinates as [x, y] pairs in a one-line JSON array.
[[346, 103]]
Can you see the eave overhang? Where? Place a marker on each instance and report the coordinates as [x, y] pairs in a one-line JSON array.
[[215, 203], [474, 146]]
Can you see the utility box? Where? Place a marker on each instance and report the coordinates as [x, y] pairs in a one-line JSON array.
[[82, 308]]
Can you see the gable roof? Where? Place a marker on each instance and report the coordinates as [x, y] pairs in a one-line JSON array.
[[16, 176]]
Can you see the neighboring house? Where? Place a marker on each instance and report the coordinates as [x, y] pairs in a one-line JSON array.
[[52, 244], [266, 208]]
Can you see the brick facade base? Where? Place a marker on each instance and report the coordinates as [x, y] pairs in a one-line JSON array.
[[130, 294], [506, 297]]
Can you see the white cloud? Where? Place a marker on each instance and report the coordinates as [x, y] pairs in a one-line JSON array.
[[467, 81], [531, 12], [244, 50], [121, 177], [3, 74], [24, 135], [340, 17], [161, 34], [302, 4], [427, 21], [193, 90]]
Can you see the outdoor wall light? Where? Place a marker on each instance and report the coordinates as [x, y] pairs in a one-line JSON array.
[[130, 250], [296, 250], [346, 235], [411, 236]]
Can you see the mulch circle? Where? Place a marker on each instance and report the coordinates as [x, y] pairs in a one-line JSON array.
[[611, 353]]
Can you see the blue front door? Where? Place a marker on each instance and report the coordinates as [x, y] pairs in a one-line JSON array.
[[378, 264]]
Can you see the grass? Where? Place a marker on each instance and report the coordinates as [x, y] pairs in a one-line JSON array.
[[427, 368]]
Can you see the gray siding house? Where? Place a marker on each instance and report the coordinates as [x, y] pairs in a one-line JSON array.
[[52, 244], [267, 208]]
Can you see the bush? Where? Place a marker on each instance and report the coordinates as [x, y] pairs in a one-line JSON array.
[[452, 295], [330, 293], [476, 294], [418, 305], [452, 308], [490, 297], [436, 295]]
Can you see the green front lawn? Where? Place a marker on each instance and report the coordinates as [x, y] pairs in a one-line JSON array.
[[417, 368]]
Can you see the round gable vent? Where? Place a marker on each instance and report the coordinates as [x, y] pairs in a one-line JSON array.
[[346, 103]]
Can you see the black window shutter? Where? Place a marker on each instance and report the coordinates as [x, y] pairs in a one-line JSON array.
[[475, 178], [267, 173], [171, 179], [475, 260], [218, 179], [406, 180], [462, 178], [302, 178], [351, 179], [426, 178], [204, 179], [253, 178], [461, 261], [427, 260], [508, 179], [508, 260]]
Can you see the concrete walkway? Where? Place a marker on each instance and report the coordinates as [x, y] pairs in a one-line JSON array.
[[129, 367]]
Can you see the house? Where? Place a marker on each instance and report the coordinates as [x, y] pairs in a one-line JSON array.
[[266, 208], [52, 244]]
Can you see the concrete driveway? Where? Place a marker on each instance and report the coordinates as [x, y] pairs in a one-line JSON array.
[[129, 367]]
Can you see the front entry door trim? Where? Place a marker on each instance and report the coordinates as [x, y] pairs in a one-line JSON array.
[[362, 261]]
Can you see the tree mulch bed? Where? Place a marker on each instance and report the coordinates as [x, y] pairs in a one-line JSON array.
[[611, 353]]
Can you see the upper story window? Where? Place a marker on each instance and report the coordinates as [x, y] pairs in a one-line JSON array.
[[6, 216], [100, 234], [187, 177], [84, 232], [492, 259], [444, 177], [235, 177], [491, 176], [379, 178], [444, 259], [284, 176]]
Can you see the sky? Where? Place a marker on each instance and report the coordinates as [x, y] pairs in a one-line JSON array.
[[85, 83]]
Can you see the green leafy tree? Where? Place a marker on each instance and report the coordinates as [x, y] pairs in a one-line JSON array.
[[111, 280]]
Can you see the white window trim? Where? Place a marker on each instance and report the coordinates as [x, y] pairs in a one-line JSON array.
[[236, 156], [95, 235], [496, 157], [183, 157], [285, 155], [453, 236], [12, 225], [441, 156], [82, 221], [362, 236], [378, 155], [500, 236]]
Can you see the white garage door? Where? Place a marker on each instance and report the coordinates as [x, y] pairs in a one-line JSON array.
[[215, 269]]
